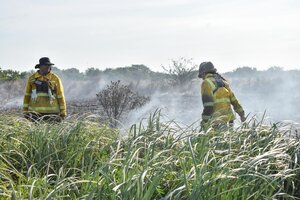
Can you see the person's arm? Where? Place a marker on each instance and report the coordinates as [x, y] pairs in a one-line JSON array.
[[61, 99], [207, 100], [236, 105], [27, 96]]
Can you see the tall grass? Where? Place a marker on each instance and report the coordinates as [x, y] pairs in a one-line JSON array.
[[80, 159]]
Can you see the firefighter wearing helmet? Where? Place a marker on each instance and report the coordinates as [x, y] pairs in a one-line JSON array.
[[44, 95], [217, 98]]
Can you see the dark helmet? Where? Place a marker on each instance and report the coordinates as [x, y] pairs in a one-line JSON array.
[[206, 67], [44, 61]]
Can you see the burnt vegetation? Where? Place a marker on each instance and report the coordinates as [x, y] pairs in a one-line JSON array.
[[117, 99]]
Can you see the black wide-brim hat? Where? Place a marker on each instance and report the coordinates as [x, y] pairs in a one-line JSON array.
[[206, 67], [44, 61]]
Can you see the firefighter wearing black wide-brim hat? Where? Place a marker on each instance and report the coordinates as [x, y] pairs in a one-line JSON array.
[[217, 98], [44, 94]]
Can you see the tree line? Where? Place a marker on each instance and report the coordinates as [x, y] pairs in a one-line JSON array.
[[178, 72]]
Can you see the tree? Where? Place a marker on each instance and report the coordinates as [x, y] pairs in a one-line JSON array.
[[180, 71], [275, 69], [118, 99], [72, 73], [2, 76], [24, 75], [245, 71], [92, 72], [9, 75]]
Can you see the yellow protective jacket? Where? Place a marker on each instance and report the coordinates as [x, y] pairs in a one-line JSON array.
[[217, 98], [50, 99]]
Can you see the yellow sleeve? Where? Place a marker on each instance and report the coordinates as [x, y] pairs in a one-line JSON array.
[[207, 100], [235, 103], [61, 98], [27, 96]]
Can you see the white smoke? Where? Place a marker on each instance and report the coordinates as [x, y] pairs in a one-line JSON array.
[[279, 99]]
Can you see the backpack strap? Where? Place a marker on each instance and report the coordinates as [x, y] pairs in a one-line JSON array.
[[215, 85]]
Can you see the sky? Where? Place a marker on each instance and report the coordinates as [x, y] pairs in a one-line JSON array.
[[118, 33]]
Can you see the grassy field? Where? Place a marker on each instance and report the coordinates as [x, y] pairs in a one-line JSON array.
[[80, 159]]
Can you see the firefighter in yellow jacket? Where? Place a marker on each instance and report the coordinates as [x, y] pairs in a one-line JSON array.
[[44, 95], [217, 98]]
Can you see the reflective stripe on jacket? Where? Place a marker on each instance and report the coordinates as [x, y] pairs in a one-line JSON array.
[[45, 103], [217, 100]]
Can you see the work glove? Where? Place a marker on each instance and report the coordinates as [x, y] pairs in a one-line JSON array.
[[243, 118], [62, 116], [33, 95]]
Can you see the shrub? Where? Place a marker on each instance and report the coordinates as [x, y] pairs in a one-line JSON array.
[[118, 99]]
